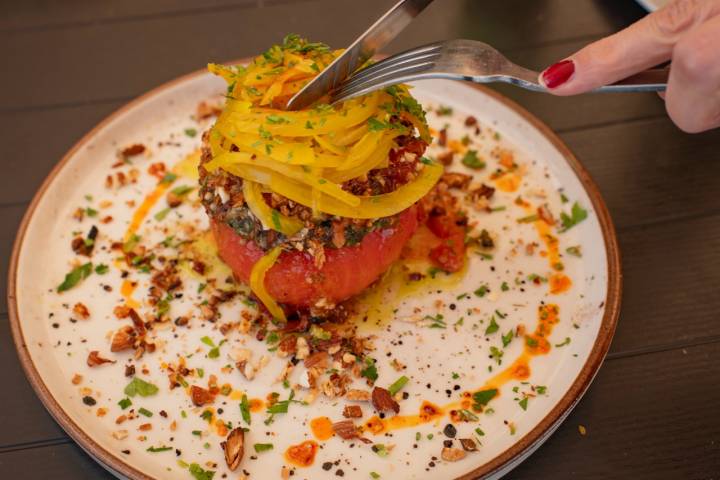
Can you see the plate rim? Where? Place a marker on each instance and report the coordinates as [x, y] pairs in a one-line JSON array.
[[502, 461]]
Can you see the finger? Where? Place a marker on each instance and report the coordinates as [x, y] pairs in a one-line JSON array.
[[642, 45], [693, 94]]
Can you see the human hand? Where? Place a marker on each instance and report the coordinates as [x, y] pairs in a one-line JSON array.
[[687, 32]]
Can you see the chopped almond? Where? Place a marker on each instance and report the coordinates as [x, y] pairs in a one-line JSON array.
[[346, 429], [200, 396], [352, 411], [123, 339], [358, 395], [94, 359], [383, 401], [234, 447], [81, 311], [452, 454]]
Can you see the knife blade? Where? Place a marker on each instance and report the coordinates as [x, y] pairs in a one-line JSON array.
[[377, 36]]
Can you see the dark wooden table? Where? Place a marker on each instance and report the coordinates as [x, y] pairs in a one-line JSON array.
[[654, 409]]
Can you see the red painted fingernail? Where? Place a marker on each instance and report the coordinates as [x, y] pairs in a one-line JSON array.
[[557, 74]]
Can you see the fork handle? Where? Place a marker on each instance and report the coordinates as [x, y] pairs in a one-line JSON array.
[[653, 80]]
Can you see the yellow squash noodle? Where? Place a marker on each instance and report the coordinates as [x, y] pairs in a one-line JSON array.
[[257, 282], [307, 155], [270, 217]]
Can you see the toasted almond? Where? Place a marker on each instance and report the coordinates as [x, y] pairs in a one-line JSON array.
[[121, 311], [356, 395], [94, 359], [383, 401], [452, 454], [81, 311], [317, 359], [234, 447], [352, 411], [468, 444], [120, 434], [123, 339], [346, 429], [200, 396]]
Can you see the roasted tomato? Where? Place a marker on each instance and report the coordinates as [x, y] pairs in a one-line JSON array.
[[450, 229], [296, 280]]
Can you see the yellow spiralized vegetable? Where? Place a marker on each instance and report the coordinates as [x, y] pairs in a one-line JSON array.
[[270, 217], [289, 171], [307, 156], [257, 282], [377, 206]]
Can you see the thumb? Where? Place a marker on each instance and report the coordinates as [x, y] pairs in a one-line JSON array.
[[642, 45]]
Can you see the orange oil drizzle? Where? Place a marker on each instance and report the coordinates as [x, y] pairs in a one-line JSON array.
[[558, 281], [322, 428], [126, 290], [302, 454], [536, 344], [144, 208]]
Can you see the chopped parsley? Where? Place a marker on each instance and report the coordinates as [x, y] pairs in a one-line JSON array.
[[436, 321], [528, 219], [199, 473], [480, 292], [138, 386], [523, 403], [276, 119], [75, 276], [398, 385], [574, 251], [263, 447], [245, 409], [507, 338], [444, 111], [190, 132], [125, 403], [144, 411], [577, 215], [158, 449], [483, 397], [504, 287], [381, 450], [496, 354], [471, 160], [563, 343], [493, 327], [280, 407], [168, 178], [370, 370], [101, 269]]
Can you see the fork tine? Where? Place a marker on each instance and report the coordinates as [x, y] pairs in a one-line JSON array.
[[396, 64], [406, 56], [387, 76]]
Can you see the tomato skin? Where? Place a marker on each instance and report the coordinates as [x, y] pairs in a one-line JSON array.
[[450, 254], [295, 280]]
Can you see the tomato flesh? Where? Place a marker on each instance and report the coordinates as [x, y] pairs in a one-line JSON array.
[[295, 279]]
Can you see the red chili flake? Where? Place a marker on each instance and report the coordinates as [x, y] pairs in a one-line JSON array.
[[133, 150]]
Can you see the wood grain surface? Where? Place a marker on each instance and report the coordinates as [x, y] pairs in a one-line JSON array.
[[652, 411]]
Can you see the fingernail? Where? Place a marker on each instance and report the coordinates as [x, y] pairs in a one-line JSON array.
[[559, 73]]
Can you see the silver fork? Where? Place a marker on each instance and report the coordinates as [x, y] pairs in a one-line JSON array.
[[471, 61]]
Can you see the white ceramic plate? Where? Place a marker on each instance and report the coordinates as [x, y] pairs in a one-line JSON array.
[[441, 363]]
